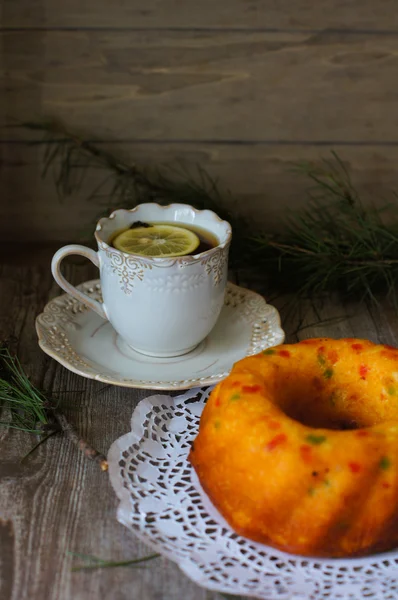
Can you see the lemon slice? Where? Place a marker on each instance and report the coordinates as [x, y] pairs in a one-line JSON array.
[[157, 240]]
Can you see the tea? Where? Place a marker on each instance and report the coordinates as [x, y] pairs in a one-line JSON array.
[[207, 240]]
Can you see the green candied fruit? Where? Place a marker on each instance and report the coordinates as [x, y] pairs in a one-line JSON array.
[[391, 390], [321, 360], [235, 397], [217, 424], [314, 439], [385, 463], [269, 352], [328, 373]]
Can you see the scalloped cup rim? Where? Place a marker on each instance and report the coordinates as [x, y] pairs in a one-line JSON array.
[[153, 205]]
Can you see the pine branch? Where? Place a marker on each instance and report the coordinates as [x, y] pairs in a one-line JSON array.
[[31, 411], [26, 405], [69, 157], [88, 451], [333, 244], [131, 184]]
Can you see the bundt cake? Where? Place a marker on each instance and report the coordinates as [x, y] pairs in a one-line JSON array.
[[298, 447]]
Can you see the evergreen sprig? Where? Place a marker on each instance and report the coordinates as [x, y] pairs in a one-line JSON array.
[[29, 409], [333, 244], [25, 404], [70, 158]]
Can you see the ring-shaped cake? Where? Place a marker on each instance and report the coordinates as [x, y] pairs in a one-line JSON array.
[[298, 447]]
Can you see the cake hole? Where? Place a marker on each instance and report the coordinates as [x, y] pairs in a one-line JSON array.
[[324, 406], [331, 391], [320, 418]]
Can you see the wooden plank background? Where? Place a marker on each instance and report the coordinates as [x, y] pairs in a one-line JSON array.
[[57, 502], [243, 88], [207, 14]]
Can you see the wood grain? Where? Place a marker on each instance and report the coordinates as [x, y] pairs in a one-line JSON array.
[[244, 105], [56, 501], [261, 181], [199, 86], [237, 14], [243, 88]]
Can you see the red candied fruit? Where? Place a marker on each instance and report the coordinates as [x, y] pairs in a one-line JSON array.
[[362, 433], [389, 354], [354, 467], [363, 371], [357, 346], [273, 424], [386, 485], [333, 357], [276, 441], [284, 353], [251, 389], [306, 453]]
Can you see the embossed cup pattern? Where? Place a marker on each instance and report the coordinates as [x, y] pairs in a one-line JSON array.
[[160, 307]]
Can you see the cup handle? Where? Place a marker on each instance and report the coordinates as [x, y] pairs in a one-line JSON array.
[[98, 307]]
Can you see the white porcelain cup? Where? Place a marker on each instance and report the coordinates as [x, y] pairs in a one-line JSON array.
[[159, 306]]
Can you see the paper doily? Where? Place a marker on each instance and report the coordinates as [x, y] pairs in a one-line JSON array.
[[162, 502]]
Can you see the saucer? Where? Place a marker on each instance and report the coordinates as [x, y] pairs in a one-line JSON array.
[[81, 341]]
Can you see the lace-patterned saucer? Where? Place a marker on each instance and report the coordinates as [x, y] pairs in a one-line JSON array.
[[87, 345], [162, 502]]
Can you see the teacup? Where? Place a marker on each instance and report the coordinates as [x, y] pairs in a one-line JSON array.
[[161, 307]]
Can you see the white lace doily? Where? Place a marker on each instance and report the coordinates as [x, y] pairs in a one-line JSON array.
[[162, 502]]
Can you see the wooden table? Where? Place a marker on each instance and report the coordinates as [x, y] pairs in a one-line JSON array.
[[57, 502]]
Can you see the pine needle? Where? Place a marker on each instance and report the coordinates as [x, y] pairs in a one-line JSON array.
[[39, 443], [333, 244], [69, 157], [31, 411], [26, 405], [99, 563]]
